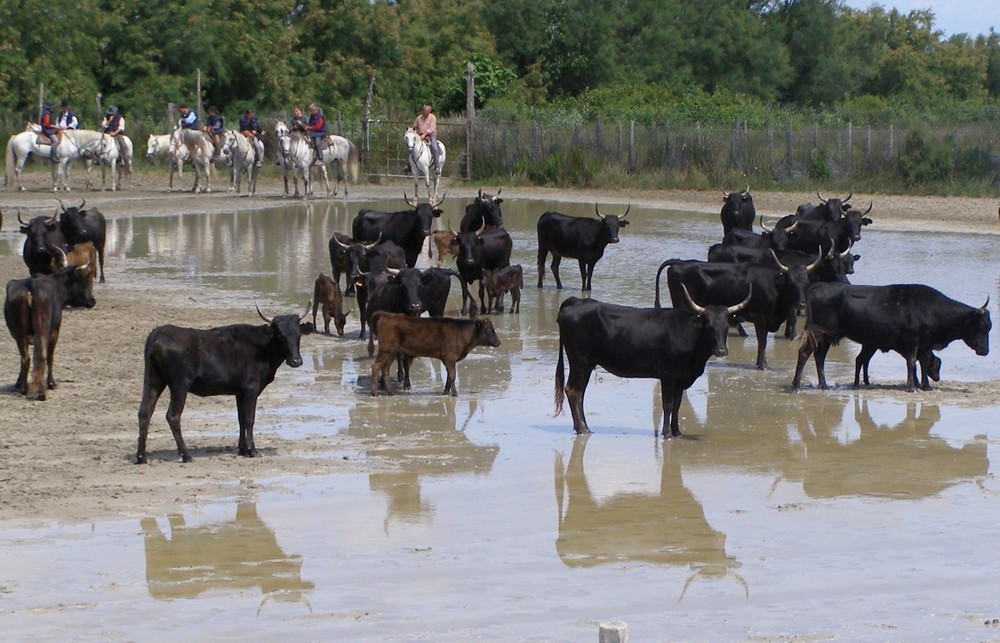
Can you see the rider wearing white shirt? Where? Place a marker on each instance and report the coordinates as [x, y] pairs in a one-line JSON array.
[[67, 119]]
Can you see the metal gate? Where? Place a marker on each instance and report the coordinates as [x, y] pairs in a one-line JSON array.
[[383, 150]]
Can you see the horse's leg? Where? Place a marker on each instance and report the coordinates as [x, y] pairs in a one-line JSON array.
[[326, 179]]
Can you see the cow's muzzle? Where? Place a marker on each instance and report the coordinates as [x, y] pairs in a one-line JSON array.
[[294, 361]]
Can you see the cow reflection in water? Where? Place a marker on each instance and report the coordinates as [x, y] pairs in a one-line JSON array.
[[238, 555], [416, 438], [668, 528], [901, 461]]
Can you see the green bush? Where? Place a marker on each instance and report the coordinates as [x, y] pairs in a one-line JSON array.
[[924, 162]]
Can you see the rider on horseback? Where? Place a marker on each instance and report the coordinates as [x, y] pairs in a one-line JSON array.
[[250, 128], [114, 126], [316, 128], [215, 126], [67, 119], [425, 126], [189, 119], [49, 128], [298, 120]]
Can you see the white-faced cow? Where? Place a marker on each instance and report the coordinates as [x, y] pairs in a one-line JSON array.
[[580, 238], [905, 318], [238, 360], [668, 344]]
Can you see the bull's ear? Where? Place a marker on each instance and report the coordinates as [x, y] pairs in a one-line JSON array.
[[623, 222], [307, 328], [856, 257], [866, 221], [24, 229], [438, 212]]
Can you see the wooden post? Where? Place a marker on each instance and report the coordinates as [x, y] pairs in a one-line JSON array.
[[171, 123], [41, 100], [100, 111], [470, 115], [631, 146], [366, 121], [613, 632], [198, 90], [868, 144], [788, 148], [888, 154]]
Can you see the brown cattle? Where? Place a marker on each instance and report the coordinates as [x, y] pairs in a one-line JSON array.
[[498, 282], [443, 338], [33, 313], [327, 294], [442, 241], [83, 256]]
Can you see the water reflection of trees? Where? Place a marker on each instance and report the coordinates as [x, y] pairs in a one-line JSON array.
[[665, 528], [416, 437], [234, 555]]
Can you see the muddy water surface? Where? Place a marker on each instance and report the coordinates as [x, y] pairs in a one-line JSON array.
[[846, 514]]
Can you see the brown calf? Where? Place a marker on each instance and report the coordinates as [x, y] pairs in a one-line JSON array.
[[327, 294], [83, 256], [498, 282], [443, 338], [441, 240]]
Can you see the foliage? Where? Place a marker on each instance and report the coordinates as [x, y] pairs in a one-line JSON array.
[[491, 80], [923, 162]]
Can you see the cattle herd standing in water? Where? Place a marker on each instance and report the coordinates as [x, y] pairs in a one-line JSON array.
[[800, 267]]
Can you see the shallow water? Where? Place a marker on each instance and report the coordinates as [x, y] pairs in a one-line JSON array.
[[823, 514]]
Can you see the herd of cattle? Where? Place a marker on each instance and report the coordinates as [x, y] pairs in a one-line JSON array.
[[767, 278]]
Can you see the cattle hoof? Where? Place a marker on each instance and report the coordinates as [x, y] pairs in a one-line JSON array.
[[185, 458], [141, 459]]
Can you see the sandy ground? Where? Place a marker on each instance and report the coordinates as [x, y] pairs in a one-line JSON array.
[[70, 458]]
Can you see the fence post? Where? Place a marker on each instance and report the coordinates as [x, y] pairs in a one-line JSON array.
[[534, 141], [470, 114], [666, 145], [631, 146], [868, 144], [888, 155], [788, 147], [697, 133], [734, 146], [850, 144], [598, 133], [770, 145]]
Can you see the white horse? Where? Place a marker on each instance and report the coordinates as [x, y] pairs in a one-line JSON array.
[[158, 145], [19, 147], [86, 144], [297, 153], [200, 150], [239, 149], [126, 163], [422, 162]]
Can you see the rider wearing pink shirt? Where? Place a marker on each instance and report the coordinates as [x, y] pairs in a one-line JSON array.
[[425, 126]]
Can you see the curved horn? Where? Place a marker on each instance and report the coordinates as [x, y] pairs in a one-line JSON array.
[[764, 227], [83, 202], [986, 305], [725, 195], [846, 252], [392, 271], [781, 266], [412, 204], [740, 306], [260, 313], [65, 259], [791, 228], [497, 194], [698, 309], [629, 207], [449, 227], [340, 243], [848, 197], [870, 204], [306, 314], [820, 196], [377, 241], [819, 259], [747, 191], [597, 208], [441, 200], [19, 217], [480, 193], [63, 206]]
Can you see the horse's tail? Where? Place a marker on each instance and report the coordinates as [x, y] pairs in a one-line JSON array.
[[8, 163], [352, 168]]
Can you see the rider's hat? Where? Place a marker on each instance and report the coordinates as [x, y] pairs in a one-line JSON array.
[[111, 109], [313, 106], [48, 104]]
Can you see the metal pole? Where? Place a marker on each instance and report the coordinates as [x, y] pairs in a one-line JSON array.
[[470, 114]]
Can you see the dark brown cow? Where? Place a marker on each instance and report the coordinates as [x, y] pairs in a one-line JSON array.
[[498, 282], [33, 312], [443, 338], [326, 293]]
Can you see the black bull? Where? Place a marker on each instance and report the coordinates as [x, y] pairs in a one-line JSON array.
[[479, 251], [406, 228], [580, 238], [738, 211], [79, 226], [238, 360], [906, 318], [670, 345]]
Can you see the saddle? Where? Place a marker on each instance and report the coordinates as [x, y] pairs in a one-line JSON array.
[[42, 139]]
